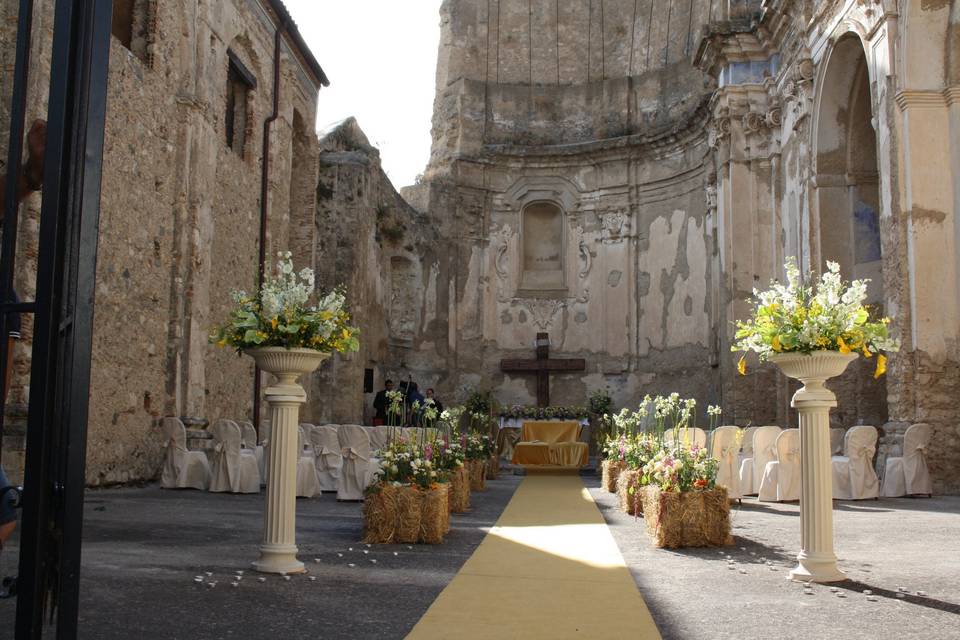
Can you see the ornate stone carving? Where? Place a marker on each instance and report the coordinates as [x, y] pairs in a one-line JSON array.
[[773, 118], [586, 259], [752, 122], [543, 311], [500, 263], [614, 224]]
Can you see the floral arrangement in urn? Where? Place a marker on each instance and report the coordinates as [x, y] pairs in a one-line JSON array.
[[281, 315], [799, 318]]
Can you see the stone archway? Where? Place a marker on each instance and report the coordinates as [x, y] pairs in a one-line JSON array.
[[848, 203]]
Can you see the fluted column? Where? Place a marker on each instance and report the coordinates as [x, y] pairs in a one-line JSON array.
[[816, 560]]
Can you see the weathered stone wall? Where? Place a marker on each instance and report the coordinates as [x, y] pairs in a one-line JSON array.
[[179, 219]]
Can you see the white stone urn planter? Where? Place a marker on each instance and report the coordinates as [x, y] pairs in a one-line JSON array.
[[816, 560], [278, 553]]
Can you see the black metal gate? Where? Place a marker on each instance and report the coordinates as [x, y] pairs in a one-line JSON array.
[[63, 308]]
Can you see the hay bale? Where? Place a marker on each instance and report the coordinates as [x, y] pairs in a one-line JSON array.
[[409, 507], [459, 490], [380, 515], [610, 471], [433, 514], [689, 519], [478, 474], [493, 468], [630, 503]]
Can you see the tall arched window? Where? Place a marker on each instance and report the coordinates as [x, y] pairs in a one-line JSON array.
[[542, 238]]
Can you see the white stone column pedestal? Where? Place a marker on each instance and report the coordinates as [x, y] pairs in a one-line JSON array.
[[816, 560], [278, 553]]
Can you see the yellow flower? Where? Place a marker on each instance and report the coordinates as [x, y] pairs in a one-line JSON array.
[[881, 366], [346, 334], [274, 322], [742, 365], [222, 343], [843, 346], [775, 343], [866, 352]]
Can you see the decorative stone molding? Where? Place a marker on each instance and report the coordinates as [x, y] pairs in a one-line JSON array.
[[614, 224], [543, 310], [501, 261], [528, 189], [773, 118], [919, 99], [586, 259]]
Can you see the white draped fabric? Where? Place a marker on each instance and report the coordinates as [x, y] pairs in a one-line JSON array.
[[746, 461], [379, 437], [836, 442], [358, 463], [725, 450], [234, 469], [853, 475], [764, 450], [326, 450], [908, 475], [182, 469], [248, 440], [308, 485], [781, 477], [695, 437]]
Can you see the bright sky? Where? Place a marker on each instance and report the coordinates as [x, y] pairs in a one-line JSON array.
[[381, 59]]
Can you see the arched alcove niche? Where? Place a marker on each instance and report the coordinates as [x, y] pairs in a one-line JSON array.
[[848, 205], [542, 239], [847, 172]]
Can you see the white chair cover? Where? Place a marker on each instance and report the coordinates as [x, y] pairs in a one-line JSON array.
[[326, 451], [836, 442], [725, 450], [308, 484], [379, 437], [853, 475], [411, 435], [234, 470], [764, 449], [781, 477], [248, 440], [182, 469], [357, 462], [746, 461], [908, 475], [696, 437]]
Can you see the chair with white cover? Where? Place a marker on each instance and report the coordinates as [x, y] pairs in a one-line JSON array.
[[908, 475], [836, 442], [781, 477], [357, 462], [746, 461], [182, 468], [326, 451], [308, 484], [725, 450], [692, 436], [764, 450], [234, 469], [379, 437], [248, 440], [854, 477], [265, 443]]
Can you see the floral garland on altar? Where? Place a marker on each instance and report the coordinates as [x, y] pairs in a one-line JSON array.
[[520, 412]]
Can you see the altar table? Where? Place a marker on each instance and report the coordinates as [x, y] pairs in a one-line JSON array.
[[551, 444]]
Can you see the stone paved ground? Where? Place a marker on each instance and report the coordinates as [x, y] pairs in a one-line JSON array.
[[882, 545], [143, 547]]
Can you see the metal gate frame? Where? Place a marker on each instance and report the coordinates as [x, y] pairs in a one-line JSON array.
[[63, 311]]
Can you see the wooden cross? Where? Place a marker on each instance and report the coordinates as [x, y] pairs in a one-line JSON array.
[[543, 365]]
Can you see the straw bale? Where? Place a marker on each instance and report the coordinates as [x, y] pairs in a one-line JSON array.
[[689, 519]]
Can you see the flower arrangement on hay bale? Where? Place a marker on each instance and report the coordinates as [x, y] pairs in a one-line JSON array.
[[451, 457], [682, 506], [478, 448], [410, 501], [798, 318]]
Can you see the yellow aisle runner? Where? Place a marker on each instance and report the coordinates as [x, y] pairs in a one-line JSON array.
[[548, 569]]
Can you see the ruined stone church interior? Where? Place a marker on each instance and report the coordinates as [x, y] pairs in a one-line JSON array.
[[669, 315]]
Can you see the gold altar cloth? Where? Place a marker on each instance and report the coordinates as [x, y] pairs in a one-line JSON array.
[[551, 443]]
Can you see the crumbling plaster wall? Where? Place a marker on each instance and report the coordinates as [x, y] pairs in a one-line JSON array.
[[179, 222]]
